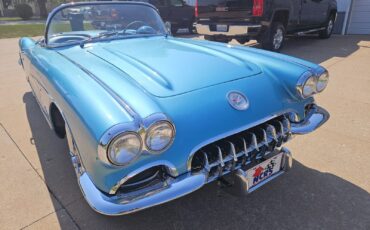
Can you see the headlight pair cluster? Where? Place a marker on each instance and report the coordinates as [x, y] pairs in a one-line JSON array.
[[128, 146], [310, 83]]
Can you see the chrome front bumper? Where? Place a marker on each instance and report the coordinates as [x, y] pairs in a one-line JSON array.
[[315, 118], [181, 186], [114, 206], [233, 30], [187, 183]]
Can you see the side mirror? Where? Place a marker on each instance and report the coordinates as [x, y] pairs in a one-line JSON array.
[[167, 24]]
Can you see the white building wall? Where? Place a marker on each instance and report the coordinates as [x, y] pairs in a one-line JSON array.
[[343, 5]]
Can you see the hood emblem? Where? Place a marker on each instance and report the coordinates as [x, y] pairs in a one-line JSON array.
[[238, 100]]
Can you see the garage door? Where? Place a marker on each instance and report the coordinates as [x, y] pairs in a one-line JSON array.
[[360, 17]]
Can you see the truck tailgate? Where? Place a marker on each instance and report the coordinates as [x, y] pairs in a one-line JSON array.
[[225, 10]]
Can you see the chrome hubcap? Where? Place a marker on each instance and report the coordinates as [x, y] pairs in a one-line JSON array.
[[278, 38], [330, 26]]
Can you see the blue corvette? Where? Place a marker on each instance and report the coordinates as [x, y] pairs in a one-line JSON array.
[[150, 118]]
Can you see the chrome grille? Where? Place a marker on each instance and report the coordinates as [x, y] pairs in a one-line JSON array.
[[243, 149]]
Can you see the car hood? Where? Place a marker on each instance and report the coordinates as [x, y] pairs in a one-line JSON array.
[[168, 67]]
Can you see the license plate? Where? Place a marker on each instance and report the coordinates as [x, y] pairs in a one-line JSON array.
[[264, 170], [221, 28], [222, 9]]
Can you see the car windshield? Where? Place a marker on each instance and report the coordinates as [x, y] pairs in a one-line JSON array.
[[84, 22]]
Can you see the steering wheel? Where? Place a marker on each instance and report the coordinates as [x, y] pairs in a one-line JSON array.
[[137, 25]]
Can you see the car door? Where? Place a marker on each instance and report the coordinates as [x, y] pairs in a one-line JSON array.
[[320, 9], [313, 13], [307, 14]]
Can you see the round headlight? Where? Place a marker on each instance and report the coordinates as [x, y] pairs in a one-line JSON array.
[[309, 87], [159, 136], [124, 148], [322, 81]]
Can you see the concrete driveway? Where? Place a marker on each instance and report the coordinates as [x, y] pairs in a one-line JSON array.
[[328, 188]]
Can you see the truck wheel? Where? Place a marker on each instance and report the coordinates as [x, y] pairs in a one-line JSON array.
[[326, 33], [273, 39]]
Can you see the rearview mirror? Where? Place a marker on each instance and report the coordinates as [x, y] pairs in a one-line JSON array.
[[167, 24]]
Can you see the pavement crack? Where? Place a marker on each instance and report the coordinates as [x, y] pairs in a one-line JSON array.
[[41, 178], [38, 220]]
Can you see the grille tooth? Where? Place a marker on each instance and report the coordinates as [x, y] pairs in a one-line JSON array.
[[220, 158], [235, 158], [245, 147], [271, 132], [253, 145], [286, 125], [281, 134], [264, 137], [232, 150], [264, 144], [206, 162]]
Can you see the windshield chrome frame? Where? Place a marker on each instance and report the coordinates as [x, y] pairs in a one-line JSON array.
[[74, 4]]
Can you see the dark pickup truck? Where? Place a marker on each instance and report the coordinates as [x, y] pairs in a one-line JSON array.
[[267, 21]]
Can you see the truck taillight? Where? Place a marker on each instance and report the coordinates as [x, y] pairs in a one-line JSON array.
[[257, 7], [196, 8]]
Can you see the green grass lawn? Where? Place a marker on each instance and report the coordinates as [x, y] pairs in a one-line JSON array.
[[14, 31], [10, 19], [32, 30]]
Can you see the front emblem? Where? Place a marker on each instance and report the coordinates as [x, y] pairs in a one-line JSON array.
[[238, 100]]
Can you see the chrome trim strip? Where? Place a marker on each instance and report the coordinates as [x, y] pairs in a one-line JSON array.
[[232, 30], [117, 98], [315, 118]]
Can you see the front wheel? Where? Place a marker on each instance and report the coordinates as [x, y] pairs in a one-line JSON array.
[[273, 38], [326, 33]]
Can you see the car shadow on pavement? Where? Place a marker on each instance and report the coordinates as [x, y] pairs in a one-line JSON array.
[[310, 47], [303, 198], [314, 49]]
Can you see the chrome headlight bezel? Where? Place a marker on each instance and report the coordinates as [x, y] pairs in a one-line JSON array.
[[140, 128], [313, 79], [154, 126], [323, 74]]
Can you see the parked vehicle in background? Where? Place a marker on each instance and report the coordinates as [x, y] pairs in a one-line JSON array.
[[177, 12], [267, 21]]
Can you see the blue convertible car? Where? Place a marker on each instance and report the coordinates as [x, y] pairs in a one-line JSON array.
[[150, 118]]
